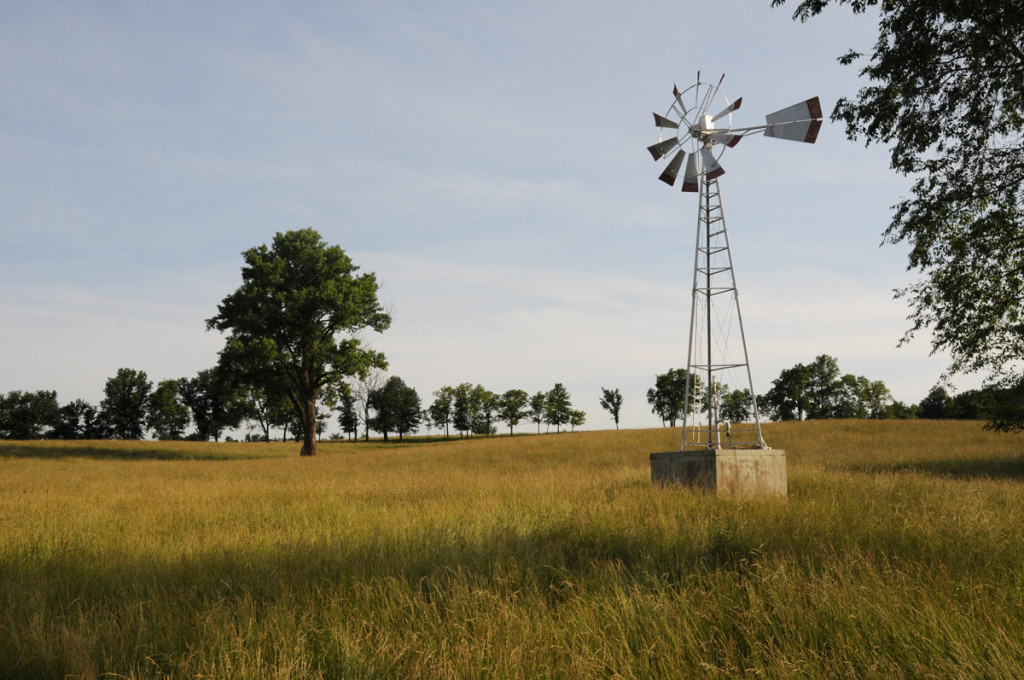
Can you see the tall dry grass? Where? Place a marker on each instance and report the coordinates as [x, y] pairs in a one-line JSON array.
[[898, 553]]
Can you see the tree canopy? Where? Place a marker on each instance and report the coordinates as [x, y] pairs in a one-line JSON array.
[[945, 93], [292, 322]]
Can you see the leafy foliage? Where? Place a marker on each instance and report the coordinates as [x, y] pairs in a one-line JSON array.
[[946, 94]]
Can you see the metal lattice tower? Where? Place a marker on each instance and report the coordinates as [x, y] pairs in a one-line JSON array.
[[716, 356]]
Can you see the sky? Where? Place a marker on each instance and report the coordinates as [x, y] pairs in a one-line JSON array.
[[486, 161]]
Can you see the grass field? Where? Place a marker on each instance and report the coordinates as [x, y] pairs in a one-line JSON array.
[[899, 553]]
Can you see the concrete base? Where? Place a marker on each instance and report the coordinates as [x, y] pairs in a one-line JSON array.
[[729, 472]]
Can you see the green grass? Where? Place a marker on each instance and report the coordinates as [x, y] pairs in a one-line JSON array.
[[898, 554]]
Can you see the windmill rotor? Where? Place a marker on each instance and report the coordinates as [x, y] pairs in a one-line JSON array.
[[690, 133]]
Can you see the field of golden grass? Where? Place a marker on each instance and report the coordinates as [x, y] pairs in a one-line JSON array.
[[898, 553]]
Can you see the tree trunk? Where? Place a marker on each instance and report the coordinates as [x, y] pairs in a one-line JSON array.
[[309, 429]]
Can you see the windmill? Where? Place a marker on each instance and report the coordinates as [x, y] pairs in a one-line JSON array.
[[696, 130]]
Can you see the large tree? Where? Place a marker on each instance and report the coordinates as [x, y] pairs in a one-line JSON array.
[[945, 93], [125, 403], [294, 319]]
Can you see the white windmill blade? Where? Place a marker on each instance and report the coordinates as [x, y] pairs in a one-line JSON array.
[[690, 178], [660, 149], [663, 122], [726, 138], [806, 110], [712, 169], [668, 176], [728, 109], [799, 131]]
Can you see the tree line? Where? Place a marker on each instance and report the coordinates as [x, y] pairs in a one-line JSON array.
[[293, 357], [206, 405]]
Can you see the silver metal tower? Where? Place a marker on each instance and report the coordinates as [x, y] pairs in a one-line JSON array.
[[720, 405]]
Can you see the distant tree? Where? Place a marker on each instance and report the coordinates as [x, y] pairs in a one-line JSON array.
[[611, 401], [538, 408], [166, 415], [348, 417], [936, 405], [442, 408], [473, 409], [875, 397], [464, 409], [362, 387], [214, 402], [577, 418], [824, 388], [124, 405], [736, 405], [79, 420], [486, 405], [901, 411], [788, 398], [558, 405], [512, 408], [264, 407], [819, 390], [296, 315], [1004, 407], [28, 415], [396, 408], [668, 396]]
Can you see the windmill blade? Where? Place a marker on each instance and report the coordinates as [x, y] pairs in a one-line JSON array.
[[800, 131], [663, 122], [728, 109], [726, 138], [711, 167], [806, 110], [660, 149], [672, 170], [690, 179]]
